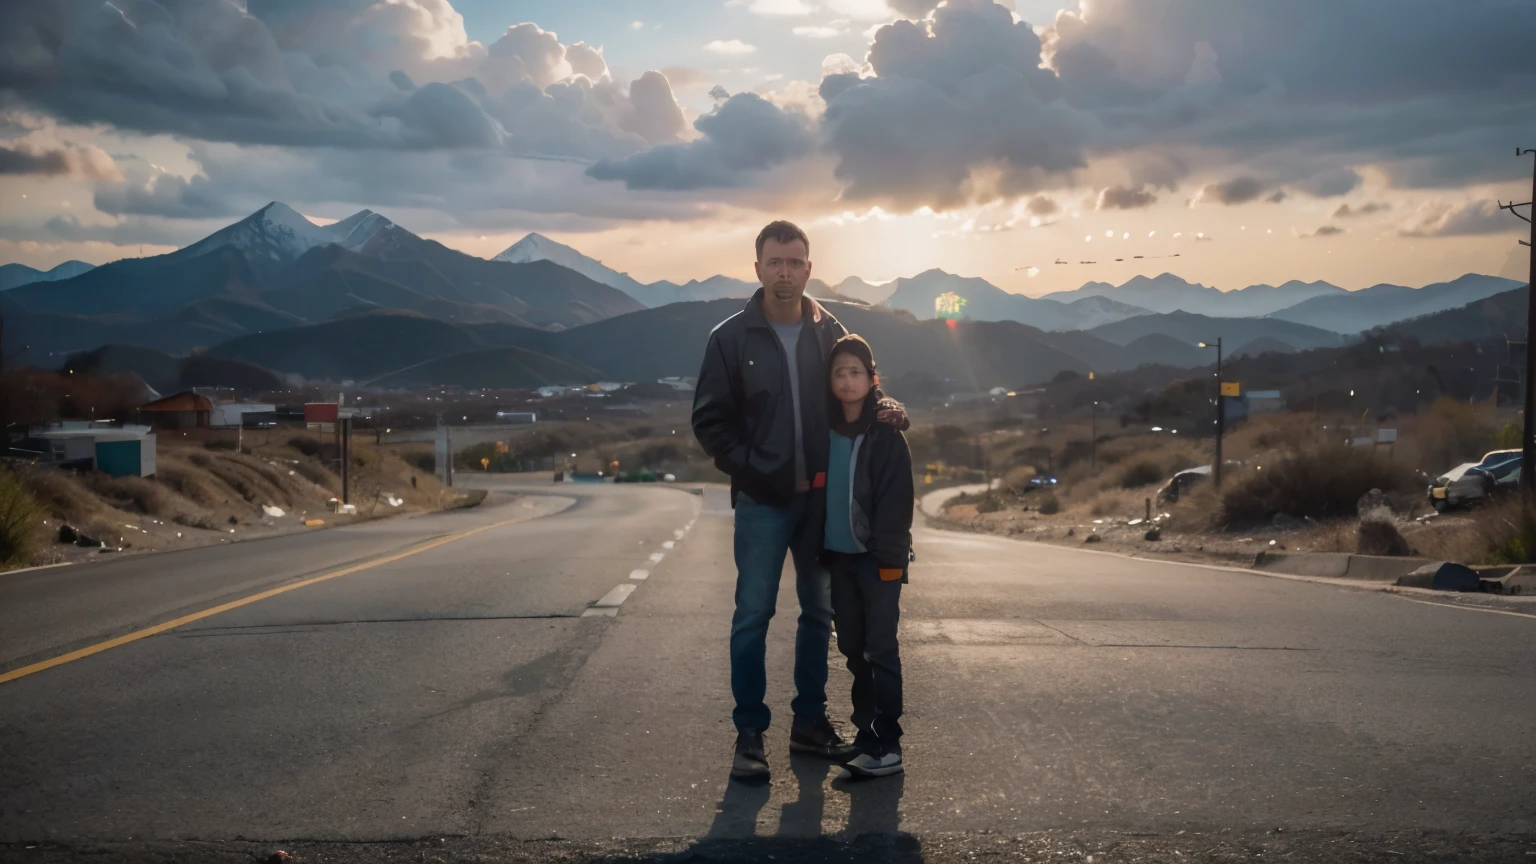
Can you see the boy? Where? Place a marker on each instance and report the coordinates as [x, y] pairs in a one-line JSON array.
[[867, 537]]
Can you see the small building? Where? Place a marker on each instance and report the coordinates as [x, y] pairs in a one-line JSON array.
[[232, 414], [1265, 401], [517, 417], [185, 410], [127, 451], [683, 383]]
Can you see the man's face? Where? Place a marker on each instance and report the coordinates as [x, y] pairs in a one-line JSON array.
[[784, 268]]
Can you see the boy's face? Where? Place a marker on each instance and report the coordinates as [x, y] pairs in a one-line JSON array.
[[851, 382]]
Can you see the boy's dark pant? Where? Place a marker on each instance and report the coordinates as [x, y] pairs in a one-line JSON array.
[[867, 610]]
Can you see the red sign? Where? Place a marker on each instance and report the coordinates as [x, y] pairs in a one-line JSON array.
[[320, 412]]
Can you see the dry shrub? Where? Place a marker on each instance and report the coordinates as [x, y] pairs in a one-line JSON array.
[[1508, 532], [1320, 482], [134, 494], [1119, 503], [1381, 537], [1050, 505], [319, 475], [60, 495], [1453, 432], [1141, 473], [248, 482], [305, 444], [20, 517]]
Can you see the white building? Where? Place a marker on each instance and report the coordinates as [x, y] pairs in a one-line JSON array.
[[232, 414]]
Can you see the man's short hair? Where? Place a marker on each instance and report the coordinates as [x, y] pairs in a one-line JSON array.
[[784, 232]]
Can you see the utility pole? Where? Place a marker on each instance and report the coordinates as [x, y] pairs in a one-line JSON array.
[[346, 459], [1093, 434], [1528, 443], [1221, 413]]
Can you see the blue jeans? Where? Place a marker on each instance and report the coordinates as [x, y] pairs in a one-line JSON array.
[[764, 536]]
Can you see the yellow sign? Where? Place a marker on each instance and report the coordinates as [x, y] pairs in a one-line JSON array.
[[1231, 388], [501, 447], [485, 464]]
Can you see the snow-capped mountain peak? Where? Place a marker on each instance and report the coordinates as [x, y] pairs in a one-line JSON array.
[[537, 247], [356, 231]]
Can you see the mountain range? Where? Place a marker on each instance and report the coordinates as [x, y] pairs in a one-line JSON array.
[[365, 299], [276, 269], [1319, 304], [17, 275]]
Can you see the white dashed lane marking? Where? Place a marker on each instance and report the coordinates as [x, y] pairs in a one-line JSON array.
[[640, 575], [670, 544], [657, 556], [609, 605]]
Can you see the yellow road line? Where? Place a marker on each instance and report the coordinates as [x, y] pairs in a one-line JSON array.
[[244, 601]]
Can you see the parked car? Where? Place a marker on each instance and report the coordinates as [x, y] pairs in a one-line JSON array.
[[1181, 482], [1475, 482], [1440, 488]]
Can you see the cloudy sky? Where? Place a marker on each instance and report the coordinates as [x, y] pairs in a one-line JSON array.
[[1358, 141]]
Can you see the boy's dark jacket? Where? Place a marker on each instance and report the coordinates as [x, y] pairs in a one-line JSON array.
[[880, 511], [742, 414]]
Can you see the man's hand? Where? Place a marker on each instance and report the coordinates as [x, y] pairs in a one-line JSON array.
[[892, 413]]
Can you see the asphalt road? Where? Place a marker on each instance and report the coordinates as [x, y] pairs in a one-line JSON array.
[[496, 685]]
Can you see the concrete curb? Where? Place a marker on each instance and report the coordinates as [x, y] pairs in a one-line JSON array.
[[1337, 565]]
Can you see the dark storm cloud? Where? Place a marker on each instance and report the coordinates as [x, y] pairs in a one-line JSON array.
[[1121, 198], [62, 161]]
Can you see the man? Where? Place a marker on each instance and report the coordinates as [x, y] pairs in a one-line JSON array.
[[760, 411]]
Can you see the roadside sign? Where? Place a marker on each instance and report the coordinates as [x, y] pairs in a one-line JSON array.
[[485, 463], [1386, 436], [326, 428], [1231, 389]]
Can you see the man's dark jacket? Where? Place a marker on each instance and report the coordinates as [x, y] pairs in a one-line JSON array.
[[742, 413]]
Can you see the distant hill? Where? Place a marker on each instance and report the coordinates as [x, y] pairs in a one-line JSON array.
[[987, 302], [858, 289], [1358, 311], [16, 275], [168, 374], [1495, 318], [1160, 349], [1264, 345], [1169, 293], [654, 343], [1235, 332], [492, 368]]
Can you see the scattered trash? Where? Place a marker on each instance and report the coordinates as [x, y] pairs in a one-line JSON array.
[[393, 501], [234, 521], [279, 857], [1154, 533], [274, 512], [106, 549], [313, 523], [1098, 521], [85, 542], [669, 478], [67, 534], [1134, 522]]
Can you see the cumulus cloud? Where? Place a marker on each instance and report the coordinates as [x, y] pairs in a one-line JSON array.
[[1238, 190], [1122, 198], [957, 110], [1368, 209], [729, 47], [27, 157], [780, 7], [1440, 219], [325, 73], [745, 134], [819, 32], [1040, 205]]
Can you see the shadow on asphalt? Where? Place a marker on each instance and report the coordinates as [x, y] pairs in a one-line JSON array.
[[870, 834]]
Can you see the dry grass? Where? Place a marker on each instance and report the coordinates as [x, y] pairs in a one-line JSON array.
[[20, 520], [1320, 482]]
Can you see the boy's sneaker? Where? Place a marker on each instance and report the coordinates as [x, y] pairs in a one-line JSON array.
[[751, 762], [821, 739], [877, 762]]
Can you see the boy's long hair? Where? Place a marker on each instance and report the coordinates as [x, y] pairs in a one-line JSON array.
[[853, 345]]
